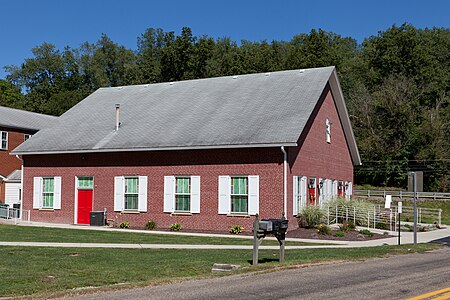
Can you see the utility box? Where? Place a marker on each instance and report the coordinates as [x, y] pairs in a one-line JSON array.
[[97, 218]]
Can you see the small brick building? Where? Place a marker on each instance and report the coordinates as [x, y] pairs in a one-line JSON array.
[[207, 153], [16, 126]]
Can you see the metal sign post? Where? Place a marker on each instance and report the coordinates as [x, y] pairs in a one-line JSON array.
[[399, 212]]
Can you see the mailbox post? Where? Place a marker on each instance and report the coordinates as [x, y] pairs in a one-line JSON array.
[[276, 227]]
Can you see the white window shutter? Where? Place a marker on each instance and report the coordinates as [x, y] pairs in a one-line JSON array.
[[142, 198], [224, 194], [57, 193], [295, 196], [303, 192], [37, 192], [253, 195], [169, 193], [119, 190], [195, 194]]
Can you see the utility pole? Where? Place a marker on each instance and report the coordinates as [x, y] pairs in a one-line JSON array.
[[413, 174]]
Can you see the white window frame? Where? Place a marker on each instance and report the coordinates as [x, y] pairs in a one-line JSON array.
[[170, 194], [1, 140], [127, 193], [328, 131], [225, 195], [119, 194], [26, 136], [38, 199], [300, 192]]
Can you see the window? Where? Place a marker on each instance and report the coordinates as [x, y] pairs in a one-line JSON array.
[[85, 183], [239, 194], [300, 189], [26, 136], [48, 187], [328, 131], [182, 194], [4, 140], [47, 192], [130, 193]]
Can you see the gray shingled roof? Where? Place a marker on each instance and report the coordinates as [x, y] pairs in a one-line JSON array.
[[256, 110], [22, 119], [15, 176]]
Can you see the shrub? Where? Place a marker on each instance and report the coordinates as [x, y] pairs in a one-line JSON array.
[[366, 232], [124, 224], [176, 227], [382, 226], [150, 225], [236, 229], [310, 217], [347, 226], [339, 234], [323, 229]]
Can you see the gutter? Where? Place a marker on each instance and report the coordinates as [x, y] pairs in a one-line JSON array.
[[284, 181], [164, 148]]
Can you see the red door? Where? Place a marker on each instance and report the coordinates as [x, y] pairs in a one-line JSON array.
[[84, 206]]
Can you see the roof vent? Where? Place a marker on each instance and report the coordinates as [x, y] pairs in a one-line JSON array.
[[120, 87], [146, 85], [302, 71], [267, 74], [170, 83], [235, 77], [117, 116]]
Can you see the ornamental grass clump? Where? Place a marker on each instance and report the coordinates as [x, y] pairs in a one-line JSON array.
[[311, 217]]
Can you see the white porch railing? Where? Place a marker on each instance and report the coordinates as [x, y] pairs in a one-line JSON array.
[[15, 214], [379, 217]]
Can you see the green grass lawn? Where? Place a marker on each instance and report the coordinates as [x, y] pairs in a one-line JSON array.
[[12, 233], [48, 271]]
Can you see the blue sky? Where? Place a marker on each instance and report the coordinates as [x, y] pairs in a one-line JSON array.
[[25, 24]]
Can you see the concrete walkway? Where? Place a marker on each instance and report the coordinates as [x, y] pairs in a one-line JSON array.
[[406, 238]]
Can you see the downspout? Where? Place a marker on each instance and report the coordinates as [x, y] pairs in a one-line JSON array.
[[21, 187], [284, 181]]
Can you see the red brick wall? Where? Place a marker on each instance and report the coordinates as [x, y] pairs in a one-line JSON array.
[[9, 163], [208, 164], [313, 157]]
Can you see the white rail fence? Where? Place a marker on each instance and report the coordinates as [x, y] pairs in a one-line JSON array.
[[379, 217], [401, 194], [14, 214]]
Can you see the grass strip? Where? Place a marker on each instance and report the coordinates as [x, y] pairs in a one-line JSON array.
[[42, 272]]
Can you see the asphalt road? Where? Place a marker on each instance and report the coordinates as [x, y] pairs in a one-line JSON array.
[[395, 277]]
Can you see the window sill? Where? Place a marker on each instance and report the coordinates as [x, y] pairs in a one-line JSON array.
[[130, 212], [46, 209], [180, 213], [239, 215]]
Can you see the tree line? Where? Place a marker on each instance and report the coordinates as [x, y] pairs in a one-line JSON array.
[[396, 84]]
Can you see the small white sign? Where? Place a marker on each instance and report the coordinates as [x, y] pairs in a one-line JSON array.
[[399, 207], [387, 204]]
